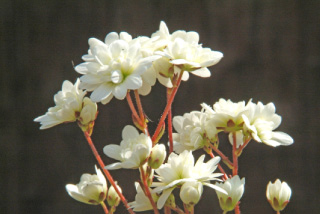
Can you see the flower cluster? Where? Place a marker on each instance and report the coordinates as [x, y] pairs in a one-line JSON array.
[[71, 105], [119, 64], [246, 121]]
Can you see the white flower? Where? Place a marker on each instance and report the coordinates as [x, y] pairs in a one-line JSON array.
[[133, 150], [180, 169], [113, 67], [235, 188], [191, 131], [278, 194], [182, 49], [157, 156], [226, 115], [70, 106], [191, 192], [92, 189], [260, 121], [142, 203]]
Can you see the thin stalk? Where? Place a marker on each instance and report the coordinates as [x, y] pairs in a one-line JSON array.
[[147, 191], [234, 155], [141, 112], [225, 158], [278, 212], [133, 109], [104, 207], [167, 210], [177, 210], [140, 109], [167, 108], [170, 123], [106, 172], [186, 209], [220, 167]]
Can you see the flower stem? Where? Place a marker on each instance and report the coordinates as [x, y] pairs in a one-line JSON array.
[[167, 210], [147, 191], [141, 112], [167, 108], [225, 158], [177, 210], [137, 96], [234, 155], [219, 167], [170, 123], [235, 165], [106, 172], [186, 209], [105, 209], [133, 110], [278, 212]]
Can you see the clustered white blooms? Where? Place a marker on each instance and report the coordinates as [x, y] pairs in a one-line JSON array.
[[92, 189], [180, 169], [71, 105], [134, 149], [278, 194], [190, 131], [235, 188], [120, 63]]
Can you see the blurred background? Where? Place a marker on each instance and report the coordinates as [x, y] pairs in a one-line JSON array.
[[271, 54]]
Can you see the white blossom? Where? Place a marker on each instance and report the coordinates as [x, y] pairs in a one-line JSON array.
[[260, 121], [92, 189], [181, 51], [226, 115], [235, 188], [113, 67], [70, 105], [191, 131], [133, 150], [278, 194], [180, 169], [157, 156], [141, 202]]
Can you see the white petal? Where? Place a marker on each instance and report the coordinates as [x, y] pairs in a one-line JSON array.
[[202, 72], [100, 93], [112, 151], [163, 198]]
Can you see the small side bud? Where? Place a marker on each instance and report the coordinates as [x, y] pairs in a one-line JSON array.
[[113, 198], [157, 156]]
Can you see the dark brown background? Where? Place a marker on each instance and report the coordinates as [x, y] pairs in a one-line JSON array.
[[271, 51]]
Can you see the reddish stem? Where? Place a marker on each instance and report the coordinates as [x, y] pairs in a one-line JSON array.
[[167, 210], [133, 109], [140, 109], [105, 209], [167, 108], [147, 191], [170, 123], [106, 172], [219, 167], [225, 158], [141, 112], [234, 155]]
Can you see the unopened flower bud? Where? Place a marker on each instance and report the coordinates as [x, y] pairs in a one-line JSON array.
[[88, 112], [235, 188], [92, 189], [278, 194], [113, 198], [191, 192], [157, 156]]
